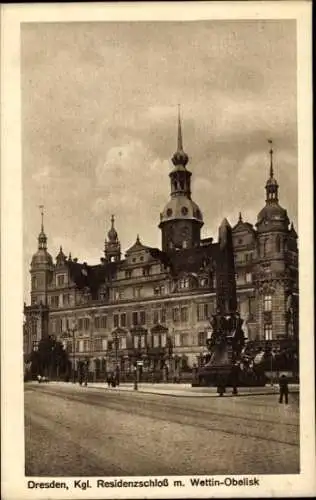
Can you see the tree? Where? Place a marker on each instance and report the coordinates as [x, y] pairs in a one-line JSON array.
[[50, 358]]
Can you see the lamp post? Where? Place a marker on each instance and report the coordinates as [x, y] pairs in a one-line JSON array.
[[136, 377]]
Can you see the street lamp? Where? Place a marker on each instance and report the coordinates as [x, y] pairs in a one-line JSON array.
[[136, 377]]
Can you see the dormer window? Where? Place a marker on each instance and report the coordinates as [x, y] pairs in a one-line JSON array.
[[203, 282], [146, 271], [60, 279], [184, 283], [128, 274]]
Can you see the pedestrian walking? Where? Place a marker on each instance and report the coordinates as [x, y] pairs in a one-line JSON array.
[[284, 389]]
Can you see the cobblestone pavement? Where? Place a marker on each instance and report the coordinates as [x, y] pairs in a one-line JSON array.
[[84, 431]]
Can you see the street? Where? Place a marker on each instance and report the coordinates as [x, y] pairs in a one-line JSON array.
[[92, 431]]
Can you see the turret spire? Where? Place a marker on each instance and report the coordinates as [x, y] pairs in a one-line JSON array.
[[180, 144], [42, 239], [271, 158], [41, 207], [180, 158], [272, 186]]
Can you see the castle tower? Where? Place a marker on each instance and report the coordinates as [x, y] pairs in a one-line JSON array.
[[274, 277], [41, 268], [112, 246], [41, 273], [181, 219]]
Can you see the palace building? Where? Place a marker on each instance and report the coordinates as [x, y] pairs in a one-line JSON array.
[[155, 304]]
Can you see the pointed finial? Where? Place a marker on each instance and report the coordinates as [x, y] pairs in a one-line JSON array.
[[69, 257], [240, 217], [271, 157], [112, 220], [137, 239], [180, 144], [61, 249], [41, 207]]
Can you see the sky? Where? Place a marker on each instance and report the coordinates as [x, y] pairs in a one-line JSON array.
[[99, 126]]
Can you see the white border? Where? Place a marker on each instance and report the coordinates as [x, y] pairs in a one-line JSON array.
[[13, 482]]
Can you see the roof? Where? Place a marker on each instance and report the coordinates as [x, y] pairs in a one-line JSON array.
[[85, 276], [136, 247], [188, 260]]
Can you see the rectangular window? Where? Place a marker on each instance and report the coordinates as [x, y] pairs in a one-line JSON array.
[[202, 311], [175, 314], [268, 303], [163, 339], [136, 341], [142, 341], [156, 340], [177, 340], [128, 274], [97, 322], [116, 320], [104, 344], [53, 326], [98, 344], [248, 278], [103, 322], [202, 338], [123, 343], [156, 316], [163, 315], [81, 345], [80, 324], [60, 279], [268, 331], [86, 323], [123, 320], [69, 346], [184, 314], [184, 339], [135, 318], [55, 301], [142, 318], [66, 299]]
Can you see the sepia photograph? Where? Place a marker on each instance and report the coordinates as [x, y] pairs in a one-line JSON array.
[[161, 263]]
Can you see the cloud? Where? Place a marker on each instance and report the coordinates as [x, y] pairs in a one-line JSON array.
[[99, 124]]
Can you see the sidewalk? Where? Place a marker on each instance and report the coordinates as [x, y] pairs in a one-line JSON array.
[[186, 390]]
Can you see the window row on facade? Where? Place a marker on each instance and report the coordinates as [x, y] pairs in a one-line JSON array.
[[139, 341]]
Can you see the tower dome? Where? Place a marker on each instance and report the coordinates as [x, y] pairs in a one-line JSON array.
[[272, 213], [181, 219], [42, 257]]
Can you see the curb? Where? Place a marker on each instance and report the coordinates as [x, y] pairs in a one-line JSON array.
[[192, 395]]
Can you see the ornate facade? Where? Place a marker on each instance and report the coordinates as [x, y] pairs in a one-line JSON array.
[[155, 305]]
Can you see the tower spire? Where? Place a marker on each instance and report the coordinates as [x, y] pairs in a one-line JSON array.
[[41, 207], [42, 239], [271, 185], [180, 144], [180, 158], [271, 158]]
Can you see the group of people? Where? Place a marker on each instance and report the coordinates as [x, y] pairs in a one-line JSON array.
[[113, 379], [283, 389]]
